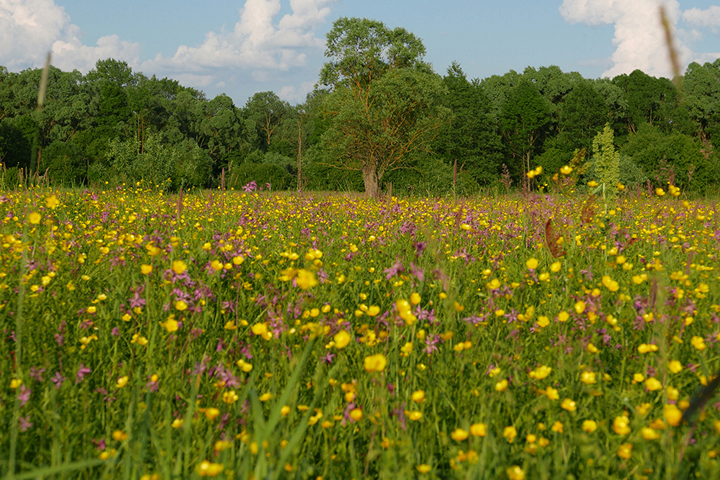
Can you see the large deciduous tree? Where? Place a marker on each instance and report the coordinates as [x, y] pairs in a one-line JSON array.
[[384, 104], [523, 118]]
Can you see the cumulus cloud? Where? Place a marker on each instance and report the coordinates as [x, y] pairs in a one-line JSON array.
[[255, 41], [639, 37], [31, 28], [709, 17], [291, 93]]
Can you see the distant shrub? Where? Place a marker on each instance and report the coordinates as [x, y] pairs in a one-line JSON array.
[[64, 163], [262, 174]]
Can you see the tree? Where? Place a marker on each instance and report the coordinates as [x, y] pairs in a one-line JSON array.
[[471, 138], [606, 162], [583, 114], [266, 110], [523, 118], [384, 106]]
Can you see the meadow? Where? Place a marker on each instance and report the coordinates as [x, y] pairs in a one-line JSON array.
[[259, 335]]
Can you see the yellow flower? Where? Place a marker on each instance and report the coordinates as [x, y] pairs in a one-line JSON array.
[[122, 381], [372, 311], [649, 433], [592, 348], [375, 363], [259, 329], [588, 378], [146, 269], [589, 426], [659, 192], [501, 386], [177, 423], [418, 396], [557, 427], [216, 265], [540, 372], [305, 279], [478, 429], [459, 434], [180, 306], [34, 218], [592, 184], [509, 433], [674, 366], [15, 382], [178, 266], [672, 414], [119, 435], [414, 415], [580, 307], [52, 202], [212, 413], [415, 298], [208, 469], [341, 339], [625, 451], [552, 393], [566, 170], [265, 397], [620, 425], [653, 384], [171, 325], [532, 263], [424, 468], [515, 472]]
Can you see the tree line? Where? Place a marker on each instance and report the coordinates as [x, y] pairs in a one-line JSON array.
[[379, 116]]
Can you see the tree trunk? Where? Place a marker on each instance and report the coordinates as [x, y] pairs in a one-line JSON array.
[[370, 178]]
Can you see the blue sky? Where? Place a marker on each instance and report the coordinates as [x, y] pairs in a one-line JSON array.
[[245, 46]]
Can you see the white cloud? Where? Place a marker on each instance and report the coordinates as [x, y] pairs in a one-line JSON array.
[[703, 18], [255, 41], [292, 94], [639, 37], [31, 28]]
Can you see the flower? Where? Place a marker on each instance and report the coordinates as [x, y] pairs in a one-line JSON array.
[[52, 202], [672, 414], [515, 472], [459, 434], [568, 405], [208, 469], [423, 468], [122, 381], [653, 384], [375, 363], [674, 366], [501, 386], [625, 451], [478, 429], [178, 266], [509, 433], [557, 427], [418, 396], [532, 263], [566, 170], [305, 279], [589, 426], [146, 269], [620, 425], [341, 339], [34, 218]]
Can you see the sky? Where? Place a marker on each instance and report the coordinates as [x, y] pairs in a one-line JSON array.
[[241, 47]]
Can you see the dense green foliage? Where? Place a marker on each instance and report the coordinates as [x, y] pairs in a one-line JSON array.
[[379, 116]]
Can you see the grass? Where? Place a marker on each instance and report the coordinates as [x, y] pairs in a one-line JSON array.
[[148, 335]]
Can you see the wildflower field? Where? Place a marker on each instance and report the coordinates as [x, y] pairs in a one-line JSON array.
[[258, 335]]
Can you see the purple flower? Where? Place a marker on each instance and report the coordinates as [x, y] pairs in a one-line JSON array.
[[58, 380], [24, 395], [394, 270], [82, 371], [328, 358], [25, 423], [37, 373]]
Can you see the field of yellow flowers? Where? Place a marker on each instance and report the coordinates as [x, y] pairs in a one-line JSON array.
[[254, 335]]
